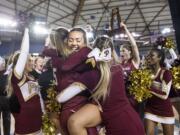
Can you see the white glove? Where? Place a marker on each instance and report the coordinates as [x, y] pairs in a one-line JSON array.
[[70, 92]]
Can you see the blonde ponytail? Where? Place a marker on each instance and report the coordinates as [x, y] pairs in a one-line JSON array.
[[12, 60], [101, 90]]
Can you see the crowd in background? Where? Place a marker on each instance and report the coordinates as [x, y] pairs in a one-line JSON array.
[[91, 84]]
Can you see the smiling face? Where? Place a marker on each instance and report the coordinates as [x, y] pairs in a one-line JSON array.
[[76, 40], [39, 63]]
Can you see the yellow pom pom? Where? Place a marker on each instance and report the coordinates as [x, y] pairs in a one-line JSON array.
[[176, 77], [48, 126], [52, 105], [169, 43], [141, 81]]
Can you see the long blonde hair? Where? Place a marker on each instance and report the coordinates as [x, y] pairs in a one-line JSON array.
[[12, 60], [58, 38], [101, 90]]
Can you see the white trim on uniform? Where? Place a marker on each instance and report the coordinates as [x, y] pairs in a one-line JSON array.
[[159, 119]]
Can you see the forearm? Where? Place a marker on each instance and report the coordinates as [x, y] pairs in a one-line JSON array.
[[131, 38], [162, 92], [23, 56], [134, 47], [49, 52], [75, 59], [70, 92]]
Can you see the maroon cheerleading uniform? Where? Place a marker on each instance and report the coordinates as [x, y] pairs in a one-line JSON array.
[[118, 116], [127, 68], [158, 107], [28, 120], [71, 70]]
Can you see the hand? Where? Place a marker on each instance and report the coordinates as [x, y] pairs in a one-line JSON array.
[[123, 25]]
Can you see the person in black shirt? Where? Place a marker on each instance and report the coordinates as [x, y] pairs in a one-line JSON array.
[[4, 102], [38, 67]]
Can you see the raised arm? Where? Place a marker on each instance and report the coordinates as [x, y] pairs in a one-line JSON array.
[[23, 56], [135, 51]]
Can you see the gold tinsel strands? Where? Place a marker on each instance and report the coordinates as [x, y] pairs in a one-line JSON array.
[[48, 126], [52, 106], [141, 81], [169, 43], [176, 77]]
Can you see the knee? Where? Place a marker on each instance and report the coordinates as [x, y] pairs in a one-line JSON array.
[[73, 123]]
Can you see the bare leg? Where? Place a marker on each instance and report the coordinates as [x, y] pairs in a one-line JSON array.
[[87, 116], [149, 126], [168, 129], [176, 104]]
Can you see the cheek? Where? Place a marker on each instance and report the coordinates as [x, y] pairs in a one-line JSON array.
[[152, 60], [69, 44], [80, 45], [126, 54]]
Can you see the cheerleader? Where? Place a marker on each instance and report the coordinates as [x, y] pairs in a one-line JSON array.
[[68, 74], [28, 119], [130, 60], [158, 109], [118, 116], [129, 54]]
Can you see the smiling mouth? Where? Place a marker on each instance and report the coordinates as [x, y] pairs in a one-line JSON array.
[[75, 48]]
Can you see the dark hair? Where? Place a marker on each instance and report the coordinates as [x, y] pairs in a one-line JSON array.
[[80, 30], [63, 32], [127, 46], [103, 42], [160, 54]]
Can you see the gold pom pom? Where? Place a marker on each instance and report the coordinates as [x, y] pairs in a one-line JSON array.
[[169, 43], [176, 77], [48, 126], [141, 81], [52, 105]]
